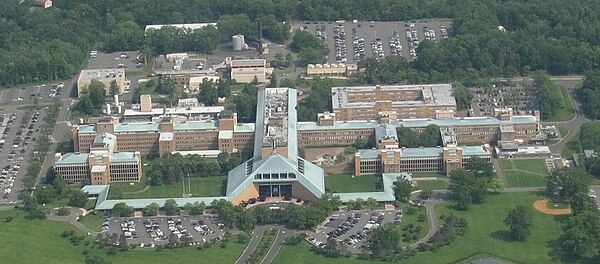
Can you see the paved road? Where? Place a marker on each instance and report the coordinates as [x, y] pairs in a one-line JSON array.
[[573, 125], [254, 239], [60, 129]]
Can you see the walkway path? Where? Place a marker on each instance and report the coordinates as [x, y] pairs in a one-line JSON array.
[[433, 226], [74, 213], [140, 191]]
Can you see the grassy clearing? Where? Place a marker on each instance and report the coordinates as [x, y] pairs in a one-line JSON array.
[[412, 219], [432, 185], [42, 239], [344, 183], [532, 165], [524, 172], [523, 179], [563, 114], [563, 131], [127, 187], [200, 187], [487, 234], [92, 221], [572, 147]]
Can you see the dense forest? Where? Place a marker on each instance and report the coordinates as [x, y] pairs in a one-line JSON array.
[[556, 36]]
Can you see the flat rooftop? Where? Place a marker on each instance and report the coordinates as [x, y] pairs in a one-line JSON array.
[[194, 110], [102, 75], [436, 94], [275, 117], [248, 63]]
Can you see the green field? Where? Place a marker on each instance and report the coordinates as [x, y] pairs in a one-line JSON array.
[[572, 147], [344, 183], [41, 238], [487, 234], [432, 185], [523, 179], [205, 186], [92, 221], [524, 172], [412, 219], [126, 187], [563, 114]]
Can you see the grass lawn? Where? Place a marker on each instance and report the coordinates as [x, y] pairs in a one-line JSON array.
[[523, 179], [533, 165], [432, 185], [563, 131], [126, 187], [516, 171], [344, 183], [43, 244], [92, 221], [412, 219], [572, 147], [487, 234], [205, 186], [427, 174], [563, 114]]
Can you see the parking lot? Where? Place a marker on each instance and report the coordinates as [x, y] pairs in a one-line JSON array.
[[151, 231], [521, 97], [352, 228], [19, 133], [351, 42], [127, 60]]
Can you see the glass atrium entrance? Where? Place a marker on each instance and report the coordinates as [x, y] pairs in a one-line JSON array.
[[275, 190]]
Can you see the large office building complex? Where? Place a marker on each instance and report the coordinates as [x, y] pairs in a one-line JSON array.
[[274, 140], [407, 101], [101, 165]]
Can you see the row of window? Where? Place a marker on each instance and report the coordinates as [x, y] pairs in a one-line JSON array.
[[274, 176]]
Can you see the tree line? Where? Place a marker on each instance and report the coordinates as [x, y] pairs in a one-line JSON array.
[[172, 168], [558, 37]]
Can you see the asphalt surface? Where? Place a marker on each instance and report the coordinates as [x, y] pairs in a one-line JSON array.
[[372, 31], [253, 244]]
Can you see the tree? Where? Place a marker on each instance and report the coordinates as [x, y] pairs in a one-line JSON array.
[[402, 189], [519, 222], [384, 240], [151, 209], [245, 219], [45, 194], [273, 82], [466, 188], [114, 89], [311, 49], [589, 95], [123, 242], [223, 89], [50, 176], [579, 241], [564, 183], [550, 95], [497, 185], [463, 95], [95, 259], [122, 210], [78, 198], [166, 86], [371, 203], [97, 93], [171, 207], [208, 93], [197, 208], [225, 211]]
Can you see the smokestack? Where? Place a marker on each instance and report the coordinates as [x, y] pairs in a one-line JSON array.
[[260, 49]]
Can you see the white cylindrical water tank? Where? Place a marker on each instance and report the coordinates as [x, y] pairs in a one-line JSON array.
[[119, 110], [116, 99], [238, 42], [107, 109]]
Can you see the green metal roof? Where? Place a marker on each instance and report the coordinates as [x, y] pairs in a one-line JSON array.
[[387, 195], [196, 125], [73, 158], [87, 129], [244, 127], [137, 127]]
